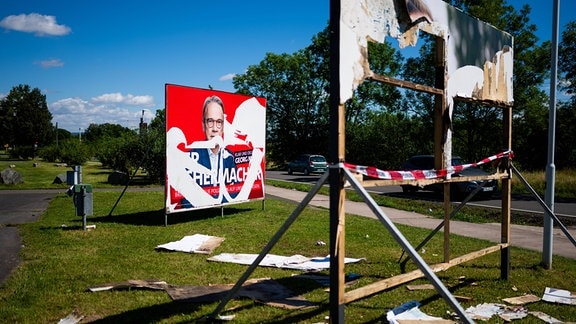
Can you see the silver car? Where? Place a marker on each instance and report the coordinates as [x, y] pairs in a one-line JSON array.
[[308, 163]]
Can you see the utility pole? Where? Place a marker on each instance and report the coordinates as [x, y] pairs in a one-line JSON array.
[[551, 168]]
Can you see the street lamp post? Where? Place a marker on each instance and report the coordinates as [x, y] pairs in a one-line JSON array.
[[14, 125]]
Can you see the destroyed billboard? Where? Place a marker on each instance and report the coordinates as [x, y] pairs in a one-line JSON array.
[[478, 56], [215, 148]]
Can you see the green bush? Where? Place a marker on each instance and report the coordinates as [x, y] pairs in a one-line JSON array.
[[69, 151], [50, 153], [74, 152], [155, 155], [112, 152], [22, 152]]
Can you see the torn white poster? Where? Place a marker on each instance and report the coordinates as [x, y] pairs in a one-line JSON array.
[[197, 243], [545, 317], [521, 300], [485, 311], [410, 312], [560, 296], [296, 262]]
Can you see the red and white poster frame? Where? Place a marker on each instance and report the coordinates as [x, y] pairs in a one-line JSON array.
[[203, 170]]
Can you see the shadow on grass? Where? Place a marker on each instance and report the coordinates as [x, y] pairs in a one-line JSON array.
[[150, 314], [158, 217], [157, 313]]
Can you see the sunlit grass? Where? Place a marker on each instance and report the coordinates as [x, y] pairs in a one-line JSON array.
[[60, 261], [564, 183], [38, 174]]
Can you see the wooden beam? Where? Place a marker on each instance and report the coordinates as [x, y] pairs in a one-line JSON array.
[[404, 84], [381, 285]]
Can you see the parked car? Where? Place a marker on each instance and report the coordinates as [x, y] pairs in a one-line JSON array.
[[308, 163], [457, 189]]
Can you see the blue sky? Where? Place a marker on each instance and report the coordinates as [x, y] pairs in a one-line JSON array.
[[106, 61]]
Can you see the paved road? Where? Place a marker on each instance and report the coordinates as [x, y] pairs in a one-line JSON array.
[[520, 203], [18, 207], [24, 206]]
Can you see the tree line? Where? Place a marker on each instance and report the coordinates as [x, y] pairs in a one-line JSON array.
[[384, 124]]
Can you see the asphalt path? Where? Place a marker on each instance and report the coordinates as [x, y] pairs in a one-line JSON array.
[[18, 207], [520, 203]]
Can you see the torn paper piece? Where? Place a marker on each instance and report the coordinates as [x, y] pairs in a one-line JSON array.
[[521, 300], [413, 314], [560, 296], [420, 287], [545, 317], [295, 262], [131, 284], [485, 311], [197, 243], [463, 298], [511, 313], [72, 318]]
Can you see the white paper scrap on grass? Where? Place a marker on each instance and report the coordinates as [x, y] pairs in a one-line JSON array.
[[197, 243], [294, 262], [561, 296], [413, 314]]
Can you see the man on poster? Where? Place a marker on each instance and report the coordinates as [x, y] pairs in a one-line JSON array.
[[212, 154]]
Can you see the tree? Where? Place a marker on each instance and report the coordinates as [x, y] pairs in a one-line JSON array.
[[296, 102], [419, 105], [531, 66], [477, 128], [155, 161], [96, 132], [25, 119], [566, 114], [296, 87], [384, 140], [567, 60]]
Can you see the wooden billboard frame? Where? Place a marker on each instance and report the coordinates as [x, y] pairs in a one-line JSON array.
[[338, 175], [338, 296]]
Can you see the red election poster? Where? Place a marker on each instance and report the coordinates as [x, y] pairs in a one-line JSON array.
[[215, 148]]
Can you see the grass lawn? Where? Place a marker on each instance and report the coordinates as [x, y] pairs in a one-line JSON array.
[[60, 261], [42, 175]]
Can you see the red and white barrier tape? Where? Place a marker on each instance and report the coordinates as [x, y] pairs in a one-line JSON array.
[[420, 174]]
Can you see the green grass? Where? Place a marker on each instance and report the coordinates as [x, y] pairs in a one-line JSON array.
[[60, 261], [564, 184], [42, 176]]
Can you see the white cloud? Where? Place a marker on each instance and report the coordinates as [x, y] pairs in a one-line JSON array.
[[114, 108], [69, 105], [109, 98], [40, 25], [227, 77], [127, 99], [50, 63], [139, 100]]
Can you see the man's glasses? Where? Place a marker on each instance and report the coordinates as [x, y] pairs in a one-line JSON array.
[[211, 122]]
